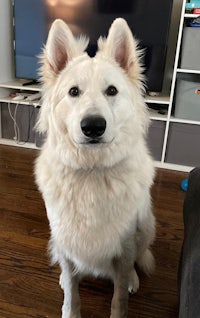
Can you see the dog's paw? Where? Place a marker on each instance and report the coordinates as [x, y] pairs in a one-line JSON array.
[[133, 282]]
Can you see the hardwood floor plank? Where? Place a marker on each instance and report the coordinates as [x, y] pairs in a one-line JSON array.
[[29, 285]]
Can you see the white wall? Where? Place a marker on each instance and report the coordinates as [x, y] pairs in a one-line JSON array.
[[6, 41]]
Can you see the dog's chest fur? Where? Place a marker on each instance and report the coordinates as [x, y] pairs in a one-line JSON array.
[[90, 211]]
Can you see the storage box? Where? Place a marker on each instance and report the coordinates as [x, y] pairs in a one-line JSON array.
[[190, 56], [187, 101], [22, 126], [183, 145], [155, 138]]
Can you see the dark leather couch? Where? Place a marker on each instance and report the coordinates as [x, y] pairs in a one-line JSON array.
[[189, 267]]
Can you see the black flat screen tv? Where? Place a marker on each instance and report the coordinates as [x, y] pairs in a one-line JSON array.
[[149, 21]]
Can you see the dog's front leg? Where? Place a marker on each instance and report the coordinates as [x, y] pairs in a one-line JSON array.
[[69, 281], [122, 269]]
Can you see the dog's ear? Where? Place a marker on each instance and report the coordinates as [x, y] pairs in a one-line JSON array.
[[60, 48], [121, 46]]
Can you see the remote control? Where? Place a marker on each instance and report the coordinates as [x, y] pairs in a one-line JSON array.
[[19, 97], [33, 97]]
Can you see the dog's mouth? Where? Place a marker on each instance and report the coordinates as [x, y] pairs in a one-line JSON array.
[[95, 142]]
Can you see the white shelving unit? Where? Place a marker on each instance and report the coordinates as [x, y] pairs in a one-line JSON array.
[[8, 84], [176, 72], [18, 84]]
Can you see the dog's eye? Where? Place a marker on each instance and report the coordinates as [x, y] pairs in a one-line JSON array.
[[74, 91], [111, 91]]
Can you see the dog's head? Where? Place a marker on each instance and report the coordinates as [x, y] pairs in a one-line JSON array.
[[93, 110]]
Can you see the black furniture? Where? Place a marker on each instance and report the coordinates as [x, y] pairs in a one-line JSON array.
[[189, 267]]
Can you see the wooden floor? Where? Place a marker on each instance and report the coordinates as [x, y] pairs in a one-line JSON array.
[[29, 286]]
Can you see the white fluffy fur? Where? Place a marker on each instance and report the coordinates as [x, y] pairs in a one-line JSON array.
[[96, 196]]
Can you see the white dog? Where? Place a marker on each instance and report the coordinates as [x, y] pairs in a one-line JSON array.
[[94, 170]]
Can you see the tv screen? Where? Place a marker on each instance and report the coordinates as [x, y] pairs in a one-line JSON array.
[[148, 19]]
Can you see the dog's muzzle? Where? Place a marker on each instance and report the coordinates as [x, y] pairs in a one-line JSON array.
[[93, 127]]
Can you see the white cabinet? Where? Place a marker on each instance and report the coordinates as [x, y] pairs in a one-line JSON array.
[[181, 144], [17, 118], [180, 133]]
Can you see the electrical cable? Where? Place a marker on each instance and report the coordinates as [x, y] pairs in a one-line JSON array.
[[16, 126]]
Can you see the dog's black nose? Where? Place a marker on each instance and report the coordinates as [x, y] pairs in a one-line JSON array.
[[93, 126]]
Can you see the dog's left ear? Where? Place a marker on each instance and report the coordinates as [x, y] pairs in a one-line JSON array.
[[121, 46]]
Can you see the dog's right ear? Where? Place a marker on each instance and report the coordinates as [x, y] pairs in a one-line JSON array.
[[60, 48]]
